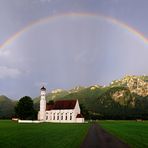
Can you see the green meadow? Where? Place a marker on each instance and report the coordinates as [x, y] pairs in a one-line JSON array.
[[132, 132], [55, 135], [42, 135]]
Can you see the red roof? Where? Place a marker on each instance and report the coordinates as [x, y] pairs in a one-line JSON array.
[[79, 116], [62, 104], [49, 106]]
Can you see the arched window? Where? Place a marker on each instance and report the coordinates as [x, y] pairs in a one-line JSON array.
[[57, 116], [65, 116], [61, 116], [50, 116], [46, 115], [70, 116], [53, 116]]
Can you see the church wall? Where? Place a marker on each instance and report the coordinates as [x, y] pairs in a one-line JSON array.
[[77, 109], [60, 116], [80, 120], [41, 115], [64, 116]]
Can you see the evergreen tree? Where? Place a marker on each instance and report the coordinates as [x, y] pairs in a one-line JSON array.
[[24, 108]]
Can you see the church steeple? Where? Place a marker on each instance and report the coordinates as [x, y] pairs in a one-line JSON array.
[[43, 104]]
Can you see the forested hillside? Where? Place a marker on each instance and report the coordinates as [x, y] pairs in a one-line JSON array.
[[6, 107], [126, 98]]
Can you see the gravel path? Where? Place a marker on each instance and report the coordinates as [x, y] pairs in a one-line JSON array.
[[99, 138]]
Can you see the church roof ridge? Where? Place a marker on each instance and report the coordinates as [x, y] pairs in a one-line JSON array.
[[62, 104]]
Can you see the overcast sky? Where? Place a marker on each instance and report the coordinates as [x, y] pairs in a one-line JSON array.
[[67, 43]]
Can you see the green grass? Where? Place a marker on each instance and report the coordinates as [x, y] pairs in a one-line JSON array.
[[132, 132], [41, 135]]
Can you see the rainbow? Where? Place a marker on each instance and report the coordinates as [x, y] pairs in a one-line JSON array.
[[106, 18]]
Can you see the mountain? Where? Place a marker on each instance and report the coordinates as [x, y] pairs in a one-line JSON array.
[[123, 98], [136, 84], [126, 98], [81, 93], [59, 93], [6, 107]]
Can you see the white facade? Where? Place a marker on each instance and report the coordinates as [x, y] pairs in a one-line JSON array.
[[59, 115], [64, 115]]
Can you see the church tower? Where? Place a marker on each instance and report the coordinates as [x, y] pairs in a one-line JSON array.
[[43, 104]]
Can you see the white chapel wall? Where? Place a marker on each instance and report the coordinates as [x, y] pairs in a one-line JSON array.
[[60, 116]]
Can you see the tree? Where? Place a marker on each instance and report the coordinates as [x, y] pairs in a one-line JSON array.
[[51, 102], [84, 111], [24, 108]]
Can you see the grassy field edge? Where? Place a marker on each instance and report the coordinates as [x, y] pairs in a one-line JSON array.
[[135, 134]]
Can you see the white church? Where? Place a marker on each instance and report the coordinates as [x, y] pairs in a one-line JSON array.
[[62, 111]]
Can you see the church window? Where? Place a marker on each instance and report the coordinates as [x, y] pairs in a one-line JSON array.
[[57, 116], [66, 116], [46, 117], [70, 116], [50, 116], [54, 116], [61, 116]]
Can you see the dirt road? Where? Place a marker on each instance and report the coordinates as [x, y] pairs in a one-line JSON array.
[[99, 138]]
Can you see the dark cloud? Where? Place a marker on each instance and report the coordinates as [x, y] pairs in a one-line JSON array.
[[66, 51]]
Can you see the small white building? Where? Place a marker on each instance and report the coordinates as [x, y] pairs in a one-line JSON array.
[[62, 111]]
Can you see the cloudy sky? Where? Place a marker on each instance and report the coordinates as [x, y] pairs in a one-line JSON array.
[[66, 43]]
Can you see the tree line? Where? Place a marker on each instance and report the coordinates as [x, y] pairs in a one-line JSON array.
[[104, 108]]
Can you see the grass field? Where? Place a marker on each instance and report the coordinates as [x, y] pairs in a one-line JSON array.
[[132, 132], [42, 135]]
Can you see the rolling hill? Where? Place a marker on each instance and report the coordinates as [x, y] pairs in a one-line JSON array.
[[6, 107]]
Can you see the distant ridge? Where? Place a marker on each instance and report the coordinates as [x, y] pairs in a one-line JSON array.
[[135, 84], [6, 107], [123, 98]]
